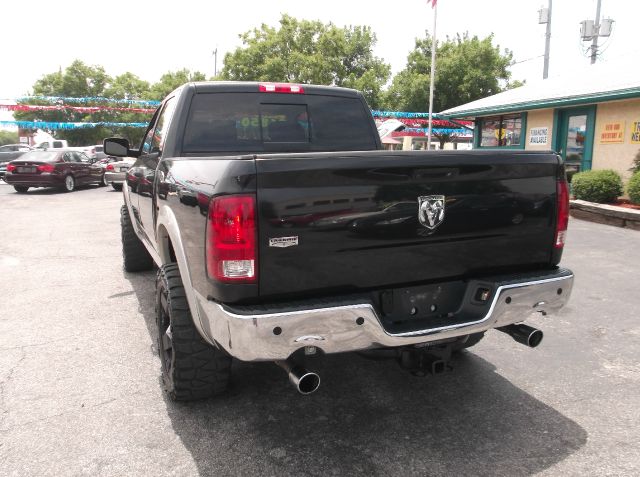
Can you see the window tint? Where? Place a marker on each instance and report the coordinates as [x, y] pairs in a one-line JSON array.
[[162, 126], [341, 123], [67, 157], [57, 143], [249, 122], [285, 123]]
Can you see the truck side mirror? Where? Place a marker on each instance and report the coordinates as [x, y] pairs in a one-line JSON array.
[[118, 146]]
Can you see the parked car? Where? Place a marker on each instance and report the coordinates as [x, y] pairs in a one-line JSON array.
[[116, 172], [106, 161], [15, 147], [8, 153], [96, 152], [63, 145], [54, 168]]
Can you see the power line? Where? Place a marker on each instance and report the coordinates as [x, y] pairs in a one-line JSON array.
[[524, 61]]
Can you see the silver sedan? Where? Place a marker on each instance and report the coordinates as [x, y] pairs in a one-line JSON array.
[[116, 173]]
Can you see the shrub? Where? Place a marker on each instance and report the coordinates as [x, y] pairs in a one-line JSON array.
[[597, 186], [636, 163], [633, 188]]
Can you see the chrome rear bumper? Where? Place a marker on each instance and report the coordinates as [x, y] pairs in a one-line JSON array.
[[268, 336]]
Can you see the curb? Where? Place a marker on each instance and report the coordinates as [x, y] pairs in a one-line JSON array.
[[605, 214]]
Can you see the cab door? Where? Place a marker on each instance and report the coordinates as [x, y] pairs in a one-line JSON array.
[[146, 165]]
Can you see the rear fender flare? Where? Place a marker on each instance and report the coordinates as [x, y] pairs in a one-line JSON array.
[[167, 236]]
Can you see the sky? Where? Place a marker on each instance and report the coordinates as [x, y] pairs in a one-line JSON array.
[[150, 38]]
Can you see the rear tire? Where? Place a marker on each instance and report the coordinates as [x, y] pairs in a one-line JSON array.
[[471, 340], [116, 186], [135, 256], [69, 183], [103, 181], [191, 368], [21, 189]]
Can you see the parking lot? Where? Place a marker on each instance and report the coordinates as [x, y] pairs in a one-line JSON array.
[[80, 389]]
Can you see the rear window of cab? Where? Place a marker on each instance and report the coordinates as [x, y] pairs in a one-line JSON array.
[[258, 122]]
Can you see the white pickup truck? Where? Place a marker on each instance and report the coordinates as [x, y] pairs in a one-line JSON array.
[[63, 144]]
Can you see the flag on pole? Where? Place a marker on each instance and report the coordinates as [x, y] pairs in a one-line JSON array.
[[434, 45]]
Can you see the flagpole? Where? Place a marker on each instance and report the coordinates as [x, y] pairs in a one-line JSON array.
[[433, 71]]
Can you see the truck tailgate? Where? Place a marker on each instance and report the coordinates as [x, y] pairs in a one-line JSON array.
[[351, 221]]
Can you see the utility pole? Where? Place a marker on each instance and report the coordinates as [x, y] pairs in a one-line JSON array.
[[545, 17], [591, 31], [594, 45], [215, 62]]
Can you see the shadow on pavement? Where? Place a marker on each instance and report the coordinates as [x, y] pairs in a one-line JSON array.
[[55, 190], [369, 417]]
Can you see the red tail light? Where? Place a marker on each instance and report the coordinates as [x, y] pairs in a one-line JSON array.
[[232, 254], [46, 168], [11, 167], [562, 222], [110, 167], [281, 88]]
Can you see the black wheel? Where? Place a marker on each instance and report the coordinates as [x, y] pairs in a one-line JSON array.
[[21, 189], [191, 368], [471, 340], [135, 256], [103, 181], [69, 183], [116, 186]]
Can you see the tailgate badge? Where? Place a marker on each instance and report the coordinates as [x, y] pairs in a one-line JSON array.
[[431, 210], [282, 242]]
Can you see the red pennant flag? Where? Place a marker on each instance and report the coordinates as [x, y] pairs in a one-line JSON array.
[[432, 2]]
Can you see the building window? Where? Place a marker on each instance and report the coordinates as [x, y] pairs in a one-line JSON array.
[[501, 131]]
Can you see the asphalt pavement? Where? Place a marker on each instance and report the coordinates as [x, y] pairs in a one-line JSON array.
[[81, 394]]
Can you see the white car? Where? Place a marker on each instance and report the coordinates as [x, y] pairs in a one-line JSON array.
[[116, 173]]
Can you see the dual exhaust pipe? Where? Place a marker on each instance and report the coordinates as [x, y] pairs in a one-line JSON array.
[[524, 334], [305, 381]]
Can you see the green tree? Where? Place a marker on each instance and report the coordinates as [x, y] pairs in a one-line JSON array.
[[78, 80], [310, 52], [171, 80], [8, 137], [83, 81], [128, 86], [467, 68]]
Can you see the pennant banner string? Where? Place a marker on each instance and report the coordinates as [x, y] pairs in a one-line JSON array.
[[95, 99], [54, 125], [79, 109]]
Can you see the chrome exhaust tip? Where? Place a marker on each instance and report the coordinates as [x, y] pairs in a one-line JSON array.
[[524, 334], [305, 381]]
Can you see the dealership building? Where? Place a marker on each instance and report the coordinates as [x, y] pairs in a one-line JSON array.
[[591, 117]]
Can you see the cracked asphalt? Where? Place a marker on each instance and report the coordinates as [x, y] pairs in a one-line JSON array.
[[80, 388]]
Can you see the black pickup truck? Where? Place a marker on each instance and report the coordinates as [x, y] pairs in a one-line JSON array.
[[283, 232]]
